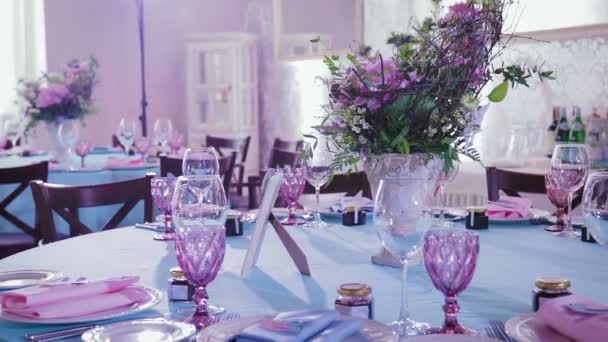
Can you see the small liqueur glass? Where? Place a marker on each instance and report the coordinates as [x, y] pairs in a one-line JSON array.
[[142, 145], [200, 236], [162, 193], [450, 257], [290, 191], [82, 149], [559, 198]]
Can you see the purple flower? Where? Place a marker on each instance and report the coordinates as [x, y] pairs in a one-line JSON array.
[[461, 11], [51, 95]]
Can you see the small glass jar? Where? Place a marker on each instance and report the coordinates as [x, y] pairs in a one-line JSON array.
[[355, 300], [180, 289], [477, 218], [353, 216], [548, 288]]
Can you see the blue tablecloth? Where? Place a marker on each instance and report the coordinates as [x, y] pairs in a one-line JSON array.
[[511, 258], [23, 206]]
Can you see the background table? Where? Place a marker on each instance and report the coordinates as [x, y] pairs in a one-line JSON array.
[[23, 206], [510, 259]]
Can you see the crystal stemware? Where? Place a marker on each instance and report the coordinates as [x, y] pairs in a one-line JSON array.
[[317, 163], [559, 198], [82, 149], [127, 129], [200, 236], [290, 191], [401, 232], [446, 175], [176, 143], [595, 207], [162, 193], [571, 162], [450, 257], [142, 145], [200, 161], [12, 129], [163, 130]]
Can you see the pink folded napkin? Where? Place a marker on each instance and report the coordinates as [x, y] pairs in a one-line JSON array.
[[57, 300], [580, 327], [115, 162], [509, 207]]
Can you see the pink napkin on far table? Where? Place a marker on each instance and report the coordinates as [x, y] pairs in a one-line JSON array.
[[58, 300], [579, 327], [509, 207], [115, 162]]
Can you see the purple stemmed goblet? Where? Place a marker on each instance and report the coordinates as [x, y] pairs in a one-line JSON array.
[[291, 189], [176, 143], [559, 198], [82, 148], [162, 193], [450, 257], [199, 214], [142, 145]]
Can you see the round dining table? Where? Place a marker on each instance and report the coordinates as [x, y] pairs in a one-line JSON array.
[[511, 257]]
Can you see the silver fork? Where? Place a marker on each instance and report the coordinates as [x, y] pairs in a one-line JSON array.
[[499, 330], [232, 316], [490, 333]]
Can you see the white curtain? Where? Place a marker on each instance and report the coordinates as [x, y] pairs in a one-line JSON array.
[[23, 43]]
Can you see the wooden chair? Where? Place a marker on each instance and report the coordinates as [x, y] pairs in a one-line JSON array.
[[282, 158], [11, 243], [241, 146], [289, 145], [170, 165], [66, 200], [350, 183]]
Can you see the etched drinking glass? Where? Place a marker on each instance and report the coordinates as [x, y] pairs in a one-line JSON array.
[[559, 198], [450, 257], [162, 193], [200, 236], [290, 191]]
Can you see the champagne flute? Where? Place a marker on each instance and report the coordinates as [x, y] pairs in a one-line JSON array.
[[445, 177], [317, 163], [200, 236], [163, 130], [127, 129], [595, 207], [200, 161], [401, 233], [571, 163]]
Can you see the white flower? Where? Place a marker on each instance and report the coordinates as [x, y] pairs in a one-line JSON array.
[[356, 129], [362, 140]]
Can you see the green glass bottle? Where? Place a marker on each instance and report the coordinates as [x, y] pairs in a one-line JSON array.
[[563, 128], [577, 131]]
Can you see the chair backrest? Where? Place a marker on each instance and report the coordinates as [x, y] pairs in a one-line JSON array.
[[351, 183], [289, 145], [21, 175], [511, 183], [282, 158], [66, 200], [170, 165], [240, 145]]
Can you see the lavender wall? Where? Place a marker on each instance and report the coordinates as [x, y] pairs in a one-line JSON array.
[[108, 30]]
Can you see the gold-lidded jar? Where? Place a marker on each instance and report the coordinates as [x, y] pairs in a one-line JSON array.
[[355, 300], [549, 288], [179, 288]]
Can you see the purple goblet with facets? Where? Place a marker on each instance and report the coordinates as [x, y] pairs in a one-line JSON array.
[[291, 189], [450, 257], [162, 193]]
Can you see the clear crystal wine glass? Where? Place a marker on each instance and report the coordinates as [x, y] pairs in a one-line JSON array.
[[200, 161], [200, 236], [127, 129], [317, 162], [559, 198], [291, 189], [571, 162], [595, 207], [163, 130], [446, 175], [82, 149], [142, 145], [401, 232], [162, 193], [450, 257]]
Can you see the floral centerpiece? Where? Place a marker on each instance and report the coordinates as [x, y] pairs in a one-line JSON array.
[[56, 97], [424, 98]]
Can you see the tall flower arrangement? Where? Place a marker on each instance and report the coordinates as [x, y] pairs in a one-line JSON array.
[[58, 96], [425, 96]]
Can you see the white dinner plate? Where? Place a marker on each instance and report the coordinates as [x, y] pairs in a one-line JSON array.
[[153, 297], [227, 330], [527, 328], [17, 279], [534, 214], [155, 329], [450, 338]]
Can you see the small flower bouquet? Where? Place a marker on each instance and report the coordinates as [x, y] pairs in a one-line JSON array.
[[425, 97], [59, 96]]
